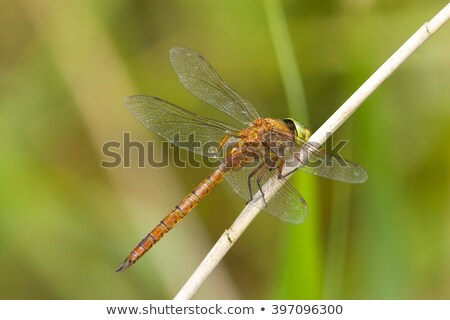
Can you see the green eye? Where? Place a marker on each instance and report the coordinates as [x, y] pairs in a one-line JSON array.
[[300, 130]]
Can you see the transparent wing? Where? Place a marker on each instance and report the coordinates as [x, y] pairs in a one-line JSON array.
[[286, 204], [199, 77], [179, 126], [332, 166], [316, 161]]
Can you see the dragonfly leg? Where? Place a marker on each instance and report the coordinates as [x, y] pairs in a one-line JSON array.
[[250, 176], [280, 170], [258, 181]]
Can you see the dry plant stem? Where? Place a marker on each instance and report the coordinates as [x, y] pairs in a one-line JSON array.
[[230, 236]]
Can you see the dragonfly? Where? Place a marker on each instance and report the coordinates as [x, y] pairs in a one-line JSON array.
[[249, 157]]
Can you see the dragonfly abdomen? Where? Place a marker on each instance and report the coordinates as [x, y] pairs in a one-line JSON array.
[[179, 212]]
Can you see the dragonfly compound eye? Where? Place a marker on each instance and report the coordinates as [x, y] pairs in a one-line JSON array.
[[300, 130]]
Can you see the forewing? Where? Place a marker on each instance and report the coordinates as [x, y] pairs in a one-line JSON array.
[[318, 162], [286, 204], [199, 77], [179, 126], [333, 167]]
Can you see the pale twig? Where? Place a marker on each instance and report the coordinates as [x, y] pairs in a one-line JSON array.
[[230, 236]]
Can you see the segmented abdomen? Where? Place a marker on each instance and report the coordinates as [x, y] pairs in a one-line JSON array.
[[178, 213]]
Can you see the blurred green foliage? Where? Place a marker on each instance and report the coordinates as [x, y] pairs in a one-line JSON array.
[[66, 222]]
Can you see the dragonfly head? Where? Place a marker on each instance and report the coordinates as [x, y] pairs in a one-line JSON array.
[[299, 129]]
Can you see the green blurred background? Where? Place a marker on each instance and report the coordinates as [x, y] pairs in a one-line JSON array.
[[66, 223]]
